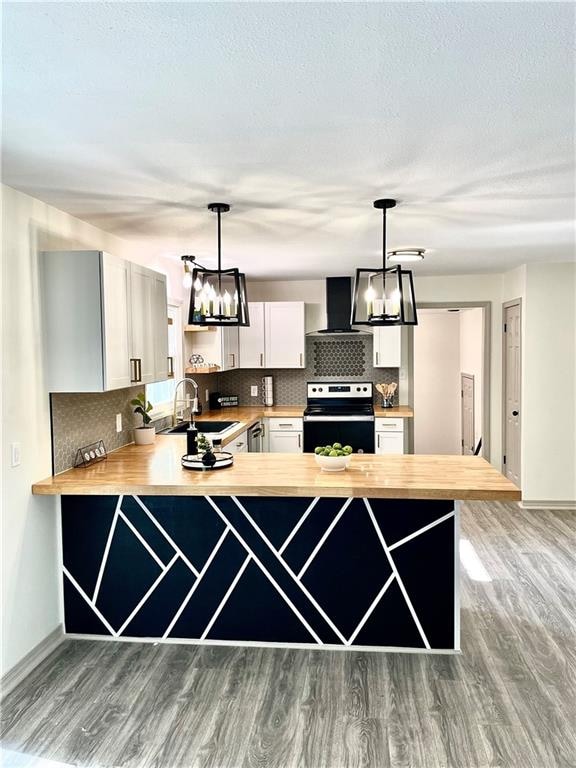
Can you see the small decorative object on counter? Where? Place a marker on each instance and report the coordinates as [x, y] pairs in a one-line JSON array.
[[208, 459], [145, 434], [192, 441], [90, 454], [196, 361], [333, 458], [268, 390], [221, 461]]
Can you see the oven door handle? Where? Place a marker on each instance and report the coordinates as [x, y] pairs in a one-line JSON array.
[[351, 419]]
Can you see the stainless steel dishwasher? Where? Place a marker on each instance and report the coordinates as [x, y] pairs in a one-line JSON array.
[[255, 435]]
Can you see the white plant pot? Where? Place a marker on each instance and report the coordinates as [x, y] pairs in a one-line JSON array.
[[144, 435]]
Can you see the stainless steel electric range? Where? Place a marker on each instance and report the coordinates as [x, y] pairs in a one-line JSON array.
[[340, 412]]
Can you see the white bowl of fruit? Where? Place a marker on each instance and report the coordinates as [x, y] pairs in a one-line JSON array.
[[333, 458]]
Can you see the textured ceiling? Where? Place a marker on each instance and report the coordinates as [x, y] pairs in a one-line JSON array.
[[133, 116]]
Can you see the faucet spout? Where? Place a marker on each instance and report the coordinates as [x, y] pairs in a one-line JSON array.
[[194, 406]]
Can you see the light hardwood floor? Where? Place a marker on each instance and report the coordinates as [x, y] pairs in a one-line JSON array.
[[507, 702]]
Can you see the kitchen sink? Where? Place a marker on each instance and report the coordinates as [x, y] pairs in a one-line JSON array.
[[207, 427]]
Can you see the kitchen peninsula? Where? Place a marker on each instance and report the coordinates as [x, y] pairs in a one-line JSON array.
[[269, 551]]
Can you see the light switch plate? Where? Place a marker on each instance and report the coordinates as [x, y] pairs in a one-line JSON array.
[[118, 422], [15, 452], [254, 390]]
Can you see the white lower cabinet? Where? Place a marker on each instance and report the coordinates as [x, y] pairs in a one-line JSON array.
[[389, 436], [239, 444], [285, 435]]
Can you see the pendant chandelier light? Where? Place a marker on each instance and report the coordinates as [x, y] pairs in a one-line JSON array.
[[384, 296], [218, 296]]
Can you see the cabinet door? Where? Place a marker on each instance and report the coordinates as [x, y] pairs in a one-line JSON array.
[[160, 323], [285, 334], [285, 442], [387, 347], [229, 348], [238, 445], [252, 352], [142, 324], [389, 442], [115, 276]]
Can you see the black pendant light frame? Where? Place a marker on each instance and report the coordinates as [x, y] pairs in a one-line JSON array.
[[210, 287], [372, 307]]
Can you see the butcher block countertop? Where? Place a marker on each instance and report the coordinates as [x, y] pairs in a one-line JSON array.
[[156, 470]]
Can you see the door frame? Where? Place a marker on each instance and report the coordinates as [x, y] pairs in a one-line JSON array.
[[505, 305], [462, 377], [486, 364]]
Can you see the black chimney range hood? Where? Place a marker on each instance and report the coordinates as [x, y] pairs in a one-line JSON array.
[[338, 305]]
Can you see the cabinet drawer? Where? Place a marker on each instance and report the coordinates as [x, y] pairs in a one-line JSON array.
[[239, 444], [389, 425], [285, 425], [389, 442]]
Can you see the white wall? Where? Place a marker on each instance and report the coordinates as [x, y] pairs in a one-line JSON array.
[[471, 358], [549, 383], [30, 584], [437, 383]]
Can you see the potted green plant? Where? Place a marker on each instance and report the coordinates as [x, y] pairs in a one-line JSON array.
[[145, 434]]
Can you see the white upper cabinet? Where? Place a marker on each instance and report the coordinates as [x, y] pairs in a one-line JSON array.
[[104, 322], [284, 334], [387, 347], [252, 339], [230, 352]]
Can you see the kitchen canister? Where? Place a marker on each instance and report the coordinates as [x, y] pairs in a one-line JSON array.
[[268, 390]]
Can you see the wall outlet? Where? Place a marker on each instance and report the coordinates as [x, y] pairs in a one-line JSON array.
[[15, 454], [118, 422], [254, 390]]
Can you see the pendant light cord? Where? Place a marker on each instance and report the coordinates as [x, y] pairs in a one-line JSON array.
[[219, 254]]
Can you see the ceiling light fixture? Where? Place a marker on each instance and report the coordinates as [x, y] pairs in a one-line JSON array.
[[218, 296], [406, 255], [384, 296], [187, 279]]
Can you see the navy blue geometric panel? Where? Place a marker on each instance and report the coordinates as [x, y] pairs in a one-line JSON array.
[[129, 572], [349, 569], [390, 623], [86, 521], [158, 611], [268, 618], [190, 521], [310, 532], [276, 516], [426, 567], [399, 518], [145, 526], [79, 618], [211, 590]]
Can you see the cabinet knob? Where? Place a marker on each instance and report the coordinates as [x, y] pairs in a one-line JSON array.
[[514, 413]]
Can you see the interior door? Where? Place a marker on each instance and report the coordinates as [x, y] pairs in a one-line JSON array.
[[512, 390], [467, 400]]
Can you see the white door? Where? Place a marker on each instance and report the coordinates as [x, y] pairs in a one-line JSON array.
[[285, 334], [285, 442], [230, 349], [251, 351], [512, 390], [387, 347], [141, 324], [467, 401], [389, 442], [115, 280], [160, 325]]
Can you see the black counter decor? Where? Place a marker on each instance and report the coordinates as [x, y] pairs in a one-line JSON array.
[[291, 571]]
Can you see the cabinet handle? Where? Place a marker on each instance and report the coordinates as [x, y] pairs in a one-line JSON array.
[[170, 367], [377, 358], [299, 440], [285, 425], [261, 360], [136, 372], [233, 356], [378, 444], [139, 361], [301, 361]]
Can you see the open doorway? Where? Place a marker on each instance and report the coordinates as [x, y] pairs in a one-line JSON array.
[[450, 382]]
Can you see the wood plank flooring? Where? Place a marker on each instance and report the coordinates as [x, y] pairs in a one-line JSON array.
[[507, 702]]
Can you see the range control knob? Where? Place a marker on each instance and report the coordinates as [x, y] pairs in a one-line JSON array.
[[319, 389], [357, 389], [365, 389]]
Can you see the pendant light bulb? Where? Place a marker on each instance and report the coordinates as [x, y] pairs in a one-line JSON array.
[[197, 285]]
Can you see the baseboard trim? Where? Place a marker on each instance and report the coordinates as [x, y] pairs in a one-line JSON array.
[[34, 657], [570, 505]]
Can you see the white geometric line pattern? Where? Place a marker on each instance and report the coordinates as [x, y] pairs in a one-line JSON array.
[[251, 556], [420, 530], [395, 571], [296, 528]]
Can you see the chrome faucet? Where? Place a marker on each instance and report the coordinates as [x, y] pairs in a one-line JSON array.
[[194, 407]]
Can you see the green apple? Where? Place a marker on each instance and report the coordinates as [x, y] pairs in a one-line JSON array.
[[333, 453], [318, 450], [348, 449], [337, 446]]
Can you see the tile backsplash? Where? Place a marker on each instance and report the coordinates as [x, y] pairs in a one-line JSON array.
[[80, 419]]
